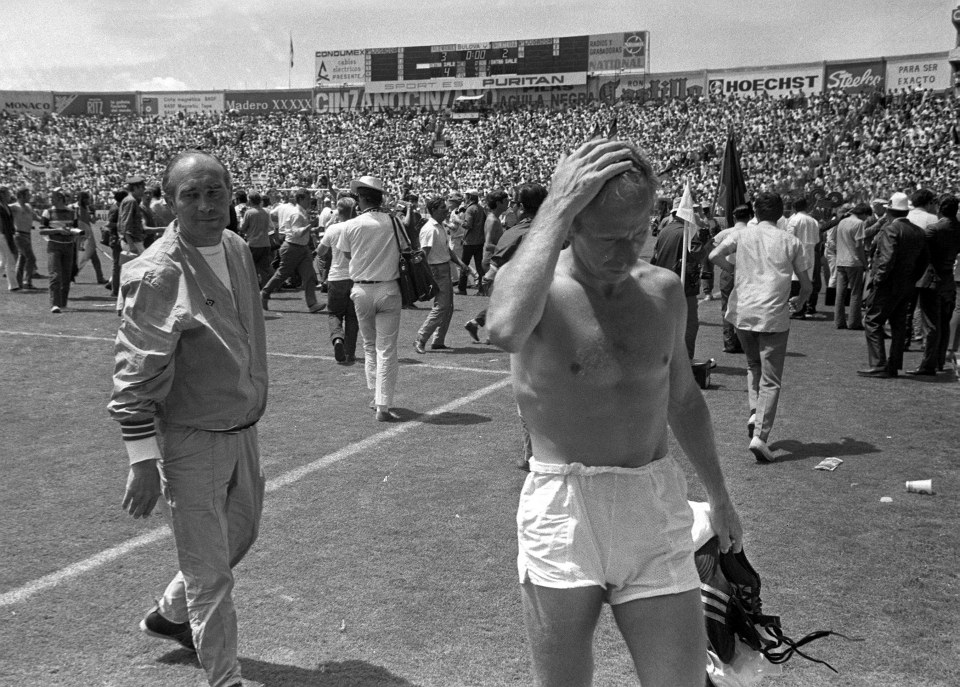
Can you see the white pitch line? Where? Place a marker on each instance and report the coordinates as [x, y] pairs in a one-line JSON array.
[[455, 368], [86, 565], [432, 366], [71, 571]]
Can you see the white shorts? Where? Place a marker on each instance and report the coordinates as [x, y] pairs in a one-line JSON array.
[[624, 529]]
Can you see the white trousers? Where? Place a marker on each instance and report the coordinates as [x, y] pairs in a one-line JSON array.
[[378, 316], [8, 264]]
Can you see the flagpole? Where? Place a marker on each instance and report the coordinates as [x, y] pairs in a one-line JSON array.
[[290, 68]]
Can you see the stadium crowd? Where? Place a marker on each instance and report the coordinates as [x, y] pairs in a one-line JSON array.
[[859, 146]]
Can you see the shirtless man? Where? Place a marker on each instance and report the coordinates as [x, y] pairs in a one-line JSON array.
[[600, 369]]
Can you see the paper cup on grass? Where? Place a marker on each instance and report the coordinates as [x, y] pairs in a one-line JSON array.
[[920, 486]]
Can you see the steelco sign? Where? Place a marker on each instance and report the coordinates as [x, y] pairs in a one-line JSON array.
[[772, 82]]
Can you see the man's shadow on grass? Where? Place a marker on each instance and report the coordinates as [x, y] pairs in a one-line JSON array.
[[407, 415], [329, 674], [354, 673], [797, 450], [729, 370]]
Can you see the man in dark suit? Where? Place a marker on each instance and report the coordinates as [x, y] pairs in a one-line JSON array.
[[669, 253], [937, 292], [901, 258]]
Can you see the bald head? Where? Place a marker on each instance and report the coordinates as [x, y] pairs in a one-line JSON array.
[[197, 187], [190, 157]]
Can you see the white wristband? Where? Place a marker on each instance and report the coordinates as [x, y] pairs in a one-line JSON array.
[[140, 450]]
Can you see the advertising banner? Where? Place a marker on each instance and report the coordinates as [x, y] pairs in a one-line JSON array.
[[616, 52], [95, 104], [337, 67], [854, 77], [644, 87], [268, 102], [28, 102], [187, 102], [360, 99], [775, 81], [918, 72], [478, 83], [548, 97]]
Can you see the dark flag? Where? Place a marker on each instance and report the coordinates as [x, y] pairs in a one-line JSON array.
[[954, 136], [731, 190]]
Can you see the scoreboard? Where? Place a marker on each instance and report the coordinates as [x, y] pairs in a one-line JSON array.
[[472, 60], [533, 62]]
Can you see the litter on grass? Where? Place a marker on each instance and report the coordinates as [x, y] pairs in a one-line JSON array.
[[829, 464], [886, 499], [920, 486]]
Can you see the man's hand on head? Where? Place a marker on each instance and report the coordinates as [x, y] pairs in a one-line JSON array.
[[581, 174]]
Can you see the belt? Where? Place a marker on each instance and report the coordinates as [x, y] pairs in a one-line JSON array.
[[24, 233], [364, 281], [233, 430]]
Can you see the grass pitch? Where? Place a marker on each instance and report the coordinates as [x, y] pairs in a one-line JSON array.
[[387, 552]]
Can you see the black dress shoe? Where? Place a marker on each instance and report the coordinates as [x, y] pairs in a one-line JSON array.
[[881, 372], [921, 372]]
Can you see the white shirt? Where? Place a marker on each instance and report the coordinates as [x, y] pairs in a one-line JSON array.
[[339, 265], [217, 259], [807, 231], [374, 255], [326, 217], [921, 217], [294, 223], [766, 259], [434, 237]]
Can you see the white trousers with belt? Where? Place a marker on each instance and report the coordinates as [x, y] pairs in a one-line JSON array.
[[378, 316]]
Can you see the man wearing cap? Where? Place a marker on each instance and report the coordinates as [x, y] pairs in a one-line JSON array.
[[58, 226], [474, 219], [846, 247], [296, 255], [191, 371], [130, 220], [370, 241], [901, 258]]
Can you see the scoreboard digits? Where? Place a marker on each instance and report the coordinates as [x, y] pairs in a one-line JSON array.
[[521, 57]]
